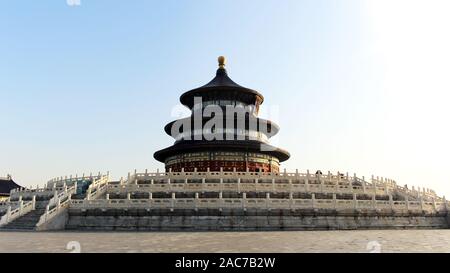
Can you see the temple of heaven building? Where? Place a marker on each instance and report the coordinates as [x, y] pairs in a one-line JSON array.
[[238, 142], [222, 174]]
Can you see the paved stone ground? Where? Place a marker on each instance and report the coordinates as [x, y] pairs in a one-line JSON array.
[[280, 241]]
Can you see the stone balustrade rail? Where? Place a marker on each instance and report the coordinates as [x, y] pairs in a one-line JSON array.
[[262, 203], [97, 188], [56, 205], [297, 182], [11, 215], [70, 180]]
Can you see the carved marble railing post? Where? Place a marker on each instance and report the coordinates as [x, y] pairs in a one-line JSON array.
[[172, 204], [196, 201], [351, 182], [307, 176], [291, 200], [338, 180], [386, 189], [8, 213], [47, 209], [334, 201], [445, 203], [169, 184], [20, 207], [88, 194], [374, 185], [363, 184], [220, 197], [391, 201], [33, 200], [322, 183]]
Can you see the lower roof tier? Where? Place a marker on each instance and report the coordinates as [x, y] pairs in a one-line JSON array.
[[235, 145]]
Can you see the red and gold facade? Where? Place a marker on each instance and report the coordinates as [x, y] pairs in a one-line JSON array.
[[227, 160], [246, 150]]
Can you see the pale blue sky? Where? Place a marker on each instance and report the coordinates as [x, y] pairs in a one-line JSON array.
[[361, 86]]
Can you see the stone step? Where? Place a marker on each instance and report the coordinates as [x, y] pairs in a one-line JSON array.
[[29, 220], [21, 226]]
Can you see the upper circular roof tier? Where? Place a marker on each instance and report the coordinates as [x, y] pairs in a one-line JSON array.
[[272, 127], [222, 87]]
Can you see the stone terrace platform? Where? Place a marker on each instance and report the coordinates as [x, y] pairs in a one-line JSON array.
[[233, 201]]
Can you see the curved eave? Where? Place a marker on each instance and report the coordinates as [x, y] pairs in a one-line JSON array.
[[7, 185], [188, 97], [274, 127], [222, 83], [193, 146]]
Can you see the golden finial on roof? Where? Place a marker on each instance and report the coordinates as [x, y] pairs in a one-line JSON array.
[[221, 61]]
